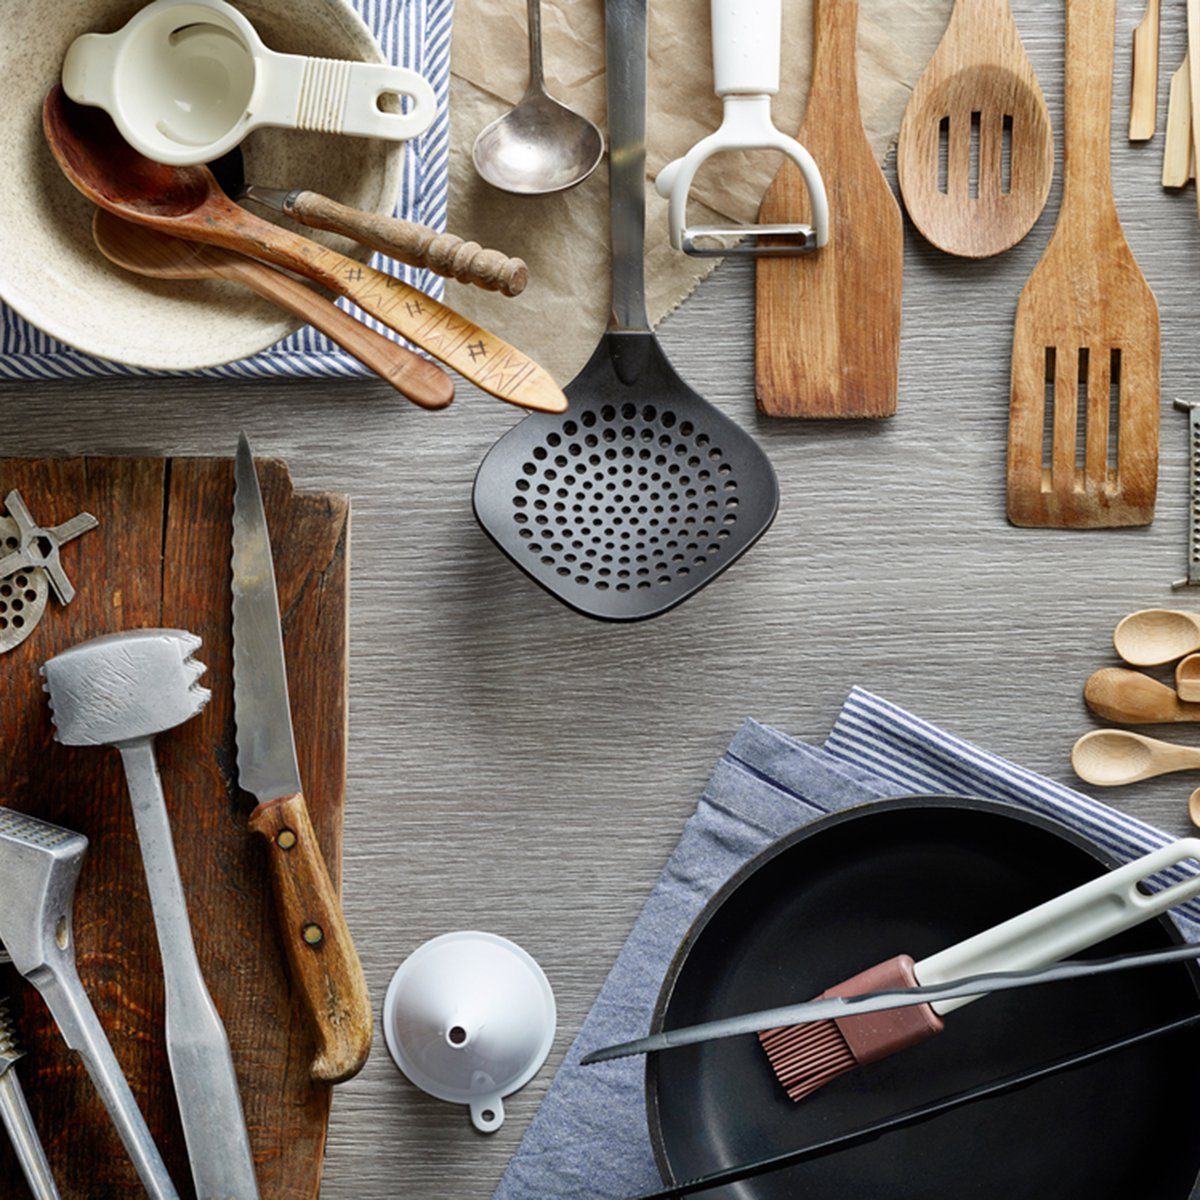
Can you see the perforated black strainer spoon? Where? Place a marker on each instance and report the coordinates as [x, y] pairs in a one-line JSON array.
[[642, 492]]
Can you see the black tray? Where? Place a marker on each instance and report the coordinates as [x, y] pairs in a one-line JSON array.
[[913, 876]]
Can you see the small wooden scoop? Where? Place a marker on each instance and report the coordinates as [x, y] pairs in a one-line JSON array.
[[976, 107], [1187, 678], [1086, 344], [828, 324], [146, 252], [1155, 636], [188, 202], [1113, 757], [1131, 698]]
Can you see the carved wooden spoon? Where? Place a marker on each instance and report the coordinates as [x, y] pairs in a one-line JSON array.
[[147, 252], [1131, 698], [976, 151], [1155, 636], [188, 202], [1112, 757]]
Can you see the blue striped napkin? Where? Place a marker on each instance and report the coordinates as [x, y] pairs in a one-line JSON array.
[[412, 33], [590, 1137]]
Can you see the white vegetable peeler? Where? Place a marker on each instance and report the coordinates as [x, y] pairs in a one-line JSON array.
[[746, 53]]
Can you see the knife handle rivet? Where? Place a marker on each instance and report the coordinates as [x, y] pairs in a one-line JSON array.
[[313, 934], [285, 839]]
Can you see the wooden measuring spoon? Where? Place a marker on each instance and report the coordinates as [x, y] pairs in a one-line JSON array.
[[1155, 636], [1187, 678], [1086, 330], [1112, 757], [145, 251], [976, 105], [828, 325], [188, 202], [1131, 698]]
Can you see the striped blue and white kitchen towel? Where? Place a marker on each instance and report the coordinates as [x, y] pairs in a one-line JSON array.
[[413, 33], [589, 1140]]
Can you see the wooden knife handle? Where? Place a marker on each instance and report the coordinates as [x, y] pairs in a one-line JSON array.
[[417, 245], [321, 955]]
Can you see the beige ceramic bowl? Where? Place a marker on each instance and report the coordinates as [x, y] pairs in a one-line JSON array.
[[52, 273]]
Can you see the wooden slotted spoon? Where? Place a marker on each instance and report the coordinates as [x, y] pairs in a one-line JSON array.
[[157, 255], [1083, 428], [976, 151]]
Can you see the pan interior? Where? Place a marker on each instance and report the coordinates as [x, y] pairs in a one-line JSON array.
[[906, 877]]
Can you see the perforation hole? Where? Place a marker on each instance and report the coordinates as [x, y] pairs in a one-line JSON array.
[[645, 499]]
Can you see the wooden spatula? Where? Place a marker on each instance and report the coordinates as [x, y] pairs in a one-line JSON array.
[[976, 151], [1083, 428], [828, 324]]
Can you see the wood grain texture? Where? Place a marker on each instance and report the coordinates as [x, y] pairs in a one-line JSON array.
[[161, 558], [1143, 91], [978, 79], [1085, 360], [516, 768], [827, 324], [417, 245], [322, 960]]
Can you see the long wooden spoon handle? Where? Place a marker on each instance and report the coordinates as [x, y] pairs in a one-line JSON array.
[[486, 360], [417, 245], [1143, 93], [1193, 29], [1087, 176], [324, 964], [423, 382]]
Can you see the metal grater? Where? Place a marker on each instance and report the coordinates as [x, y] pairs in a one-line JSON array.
[[1192, 408]]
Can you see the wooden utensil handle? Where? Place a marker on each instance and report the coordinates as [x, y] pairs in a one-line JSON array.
[[835, 57], [488, 362], [417, 245], [1091, 36], [423, 382], [324, 964]]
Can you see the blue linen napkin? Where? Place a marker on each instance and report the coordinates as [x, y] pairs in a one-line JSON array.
[[590, 1136], [411, 33]]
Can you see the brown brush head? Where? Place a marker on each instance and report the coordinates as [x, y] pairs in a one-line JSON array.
[[807, 1057]]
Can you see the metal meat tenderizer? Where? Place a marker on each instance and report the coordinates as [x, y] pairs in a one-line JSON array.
[[39, 867], [746, 53]]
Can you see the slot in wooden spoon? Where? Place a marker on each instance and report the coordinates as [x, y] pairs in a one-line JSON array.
[[147, 252], [1153, 637], [1114, 757], [976, 105], [188, 202], [1131, 698]]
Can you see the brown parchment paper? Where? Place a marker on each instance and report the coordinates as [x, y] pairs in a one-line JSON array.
[[564, 238]]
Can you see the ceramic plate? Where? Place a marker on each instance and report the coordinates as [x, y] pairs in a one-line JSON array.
[[915, 876], [53, 275]]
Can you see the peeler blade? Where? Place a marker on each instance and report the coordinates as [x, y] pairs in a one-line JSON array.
[[749, 240]]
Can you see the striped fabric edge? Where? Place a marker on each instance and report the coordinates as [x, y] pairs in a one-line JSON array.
[[890, 742], [413, 33]]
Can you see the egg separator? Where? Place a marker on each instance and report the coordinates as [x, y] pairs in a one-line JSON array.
[[186, 80]]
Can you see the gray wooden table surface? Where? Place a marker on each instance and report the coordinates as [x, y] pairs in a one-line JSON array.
[[517, 768]]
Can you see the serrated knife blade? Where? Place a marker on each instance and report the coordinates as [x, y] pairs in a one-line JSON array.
[[266, 744]]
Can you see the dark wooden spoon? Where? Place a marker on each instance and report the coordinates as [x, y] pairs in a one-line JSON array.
[[187, 202]]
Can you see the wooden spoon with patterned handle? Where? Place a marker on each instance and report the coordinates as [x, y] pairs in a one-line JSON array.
[[188, 202], [976, 151], [1086, 343], [147, 252]]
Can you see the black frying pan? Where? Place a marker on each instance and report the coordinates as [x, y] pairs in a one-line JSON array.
[[915, 875]]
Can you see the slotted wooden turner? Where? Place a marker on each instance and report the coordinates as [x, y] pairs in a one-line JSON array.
[[827, 339], [976, 151], [1083, 427]]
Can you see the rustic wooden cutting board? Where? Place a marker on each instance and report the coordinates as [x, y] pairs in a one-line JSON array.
[[160, 558]]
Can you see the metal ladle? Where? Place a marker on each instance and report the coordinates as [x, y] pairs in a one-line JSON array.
[[540, 146]]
